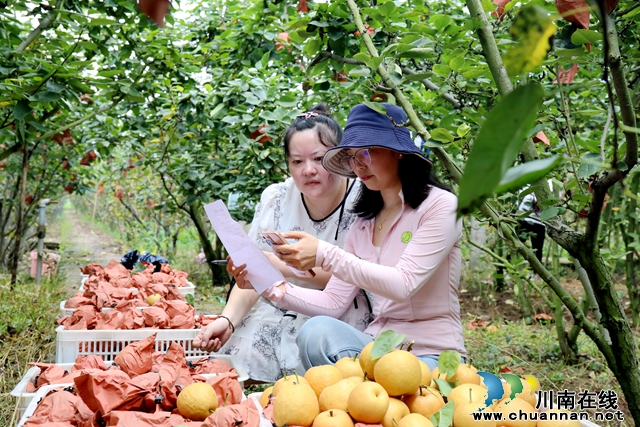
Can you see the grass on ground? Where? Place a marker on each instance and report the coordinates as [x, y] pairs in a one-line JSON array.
[[534, 350], [27, 334]]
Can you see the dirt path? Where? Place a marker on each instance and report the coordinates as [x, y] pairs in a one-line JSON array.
[[81, 243]]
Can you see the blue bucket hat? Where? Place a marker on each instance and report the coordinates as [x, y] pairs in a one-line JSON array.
[[368, 128]]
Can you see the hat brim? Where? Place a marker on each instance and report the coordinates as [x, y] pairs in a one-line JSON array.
[[332, 160]]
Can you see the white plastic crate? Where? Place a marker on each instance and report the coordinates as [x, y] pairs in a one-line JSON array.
[[29, 401], [24, 398], [35, 401], [189, 289], [69, 311], [108, 343]]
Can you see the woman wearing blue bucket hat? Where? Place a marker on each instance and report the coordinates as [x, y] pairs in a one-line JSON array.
[[403, 247]]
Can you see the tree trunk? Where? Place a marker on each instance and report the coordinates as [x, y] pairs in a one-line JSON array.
[[218, 275], [631, 258], [623, 360], [520, 290], [6, 222], [569, 349], [20, 215]]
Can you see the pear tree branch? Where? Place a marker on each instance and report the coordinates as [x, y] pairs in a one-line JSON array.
[[489, 211], [428, 84]]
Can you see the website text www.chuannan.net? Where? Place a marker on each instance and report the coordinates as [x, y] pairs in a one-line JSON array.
[[547, 416]]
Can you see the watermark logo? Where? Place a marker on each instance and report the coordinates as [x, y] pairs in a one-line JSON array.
[[560, 404], [496, 386]]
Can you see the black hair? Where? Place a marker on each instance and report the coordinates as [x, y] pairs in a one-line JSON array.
[[416, 185], [329, 131]]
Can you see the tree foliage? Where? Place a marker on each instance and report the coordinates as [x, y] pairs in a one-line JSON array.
[[155, 122]]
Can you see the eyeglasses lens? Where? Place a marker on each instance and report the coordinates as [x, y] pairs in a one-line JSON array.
[[362, 157]]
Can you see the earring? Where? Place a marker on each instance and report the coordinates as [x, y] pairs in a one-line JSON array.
[[400, 155]]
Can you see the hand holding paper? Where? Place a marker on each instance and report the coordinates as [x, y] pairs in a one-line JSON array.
[[242, 250]]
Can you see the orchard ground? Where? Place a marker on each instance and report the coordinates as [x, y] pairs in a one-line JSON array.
[[496, 337]]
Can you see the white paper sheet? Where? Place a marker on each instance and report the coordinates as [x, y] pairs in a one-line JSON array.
[[260, 272]]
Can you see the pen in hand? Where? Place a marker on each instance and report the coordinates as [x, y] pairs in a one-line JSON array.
[[220, 262]]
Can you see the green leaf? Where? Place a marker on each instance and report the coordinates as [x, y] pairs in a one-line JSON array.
[[265, 59], [54, 87], [21, 109], [549, 213], [360, 72], [215, 113], [38, 125], [442, 135], [448, 362], [374, 62], [532, 28], [387, 8], [444, 417], [417, 77], [591, 164], [362, 57], [498, 144], [456, 63], [190, 299], [430, 143], [110, 73], [442, 70], [440, 21], [419, 52], [585, 36], [385, 342], [463, 129], [47, 96], [519, 176], [445, 387], [376, 107], [102, 22]]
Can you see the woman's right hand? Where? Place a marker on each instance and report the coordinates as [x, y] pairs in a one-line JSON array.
[[240, 274], [213, 336]]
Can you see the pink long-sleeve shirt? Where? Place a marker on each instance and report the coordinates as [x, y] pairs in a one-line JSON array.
[[414, 279]]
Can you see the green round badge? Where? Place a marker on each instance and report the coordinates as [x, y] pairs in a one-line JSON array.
[[406, 237]]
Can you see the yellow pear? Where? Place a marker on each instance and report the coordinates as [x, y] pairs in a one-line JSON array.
[[415, 420], [320, 377], [466, 374], [514, 406], [399, 372], [197, 401], [368, 402], [436, 375], [462, 417], [333, 418], [426, 401], [336, 395], [557, 418], [533, 382], [286, 381], [264, 397], [397, 410], [349, 367], [295, 404], [467, 393], [151, 299], [366, 363], [426, 373]]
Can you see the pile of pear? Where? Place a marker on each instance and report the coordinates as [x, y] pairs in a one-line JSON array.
[[395, 390]]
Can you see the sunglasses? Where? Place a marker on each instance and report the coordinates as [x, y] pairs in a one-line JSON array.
[[362, 157]]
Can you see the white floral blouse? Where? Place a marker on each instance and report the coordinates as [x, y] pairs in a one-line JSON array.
[[265, 341]]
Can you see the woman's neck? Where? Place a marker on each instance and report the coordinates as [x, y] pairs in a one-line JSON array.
[[390, 196], [324, 205]]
